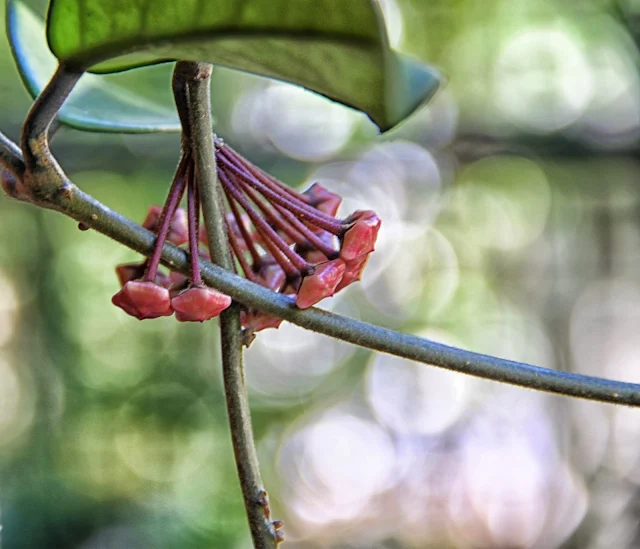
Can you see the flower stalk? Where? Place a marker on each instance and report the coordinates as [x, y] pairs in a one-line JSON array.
[[192, 88]]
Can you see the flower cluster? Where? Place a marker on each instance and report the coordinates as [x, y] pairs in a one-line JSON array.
[[289, 242]]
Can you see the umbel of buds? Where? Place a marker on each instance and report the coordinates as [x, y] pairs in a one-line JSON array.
[[289, 242]]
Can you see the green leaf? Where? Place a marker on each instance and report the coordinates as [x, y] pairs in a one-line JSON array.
[[338, 48], [125, 103]]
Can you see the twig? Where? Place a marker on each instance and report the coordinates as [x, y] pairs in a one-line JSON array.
[[35, 130], [10, 156], [33, 173], [87, 210], [192, 89]]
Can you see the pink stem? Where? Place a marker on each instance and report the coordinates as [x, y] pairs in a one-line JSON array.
[[313, 238], [268, 211], [302, 210], [237, 251], [267, 179], [290, 262], [245, 233], [298, 231], [173, 199]]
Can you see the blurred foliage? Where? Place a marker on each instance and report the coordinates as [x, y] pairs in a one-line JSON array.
[[510, 215]]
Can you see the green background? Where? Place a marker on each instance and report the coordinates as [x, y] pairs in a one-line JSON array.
[[510, 214]]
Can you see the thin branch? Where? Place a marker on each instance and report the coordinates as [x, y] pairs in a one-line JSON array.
[[36, 175], [192, 88], [87, 210], [41, 117], [10, 156]]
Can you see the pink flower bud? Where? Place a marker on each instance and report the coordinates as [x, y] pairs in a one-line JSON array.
[[272, 276], [353, 272], [360, 239], [178, 229], [197, 304], [321, 284], [323, 199], [143, 300], [256, 321], [129, 271], [288, 242]]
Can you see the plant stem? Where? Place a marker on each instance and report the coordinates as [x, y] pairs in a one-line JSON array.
[[196, 78], [176, 191], [303, 210], [193, 216], [87, 210], [287, 258], [9, 156], [35, 130]]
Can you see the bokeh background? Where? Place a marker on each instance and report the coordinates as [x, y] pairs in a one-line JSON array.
[[511, 209]]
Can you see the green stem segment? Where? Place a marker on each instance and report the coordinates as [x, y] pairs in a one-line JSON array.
[[191, 87]]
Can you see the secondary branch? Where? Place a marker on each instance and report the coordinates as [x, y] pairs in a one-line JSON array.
[[83, 208], [191, 85]]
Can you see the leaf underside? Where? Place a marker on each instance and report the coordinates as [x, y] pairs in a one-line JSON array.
[[336, 48], [122, 103]]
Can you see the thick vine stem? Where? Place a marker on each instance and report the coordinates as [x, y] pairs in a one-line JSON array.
[[93, 214], [191, 85]]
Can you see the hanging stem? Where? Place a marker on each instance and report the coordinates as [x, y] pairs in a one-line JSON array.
[[246, 236], [271, 238], [265, 177], [171, 204], [242, 260], [192, 90], [303, 210], [270, 214]]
